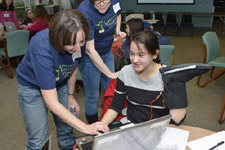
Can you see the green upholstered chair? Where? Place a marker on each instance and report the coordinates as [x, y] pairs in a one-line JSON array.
[[16, 44], [212, 56], [166, 54]]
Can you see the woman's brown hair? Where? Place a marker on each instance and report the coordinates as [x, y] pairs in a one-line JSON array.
[[40, 12], [135, 25], [64, 26]]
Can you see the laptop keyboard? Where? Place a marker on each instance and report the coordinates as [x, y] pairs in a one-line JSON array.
[[87, 146]]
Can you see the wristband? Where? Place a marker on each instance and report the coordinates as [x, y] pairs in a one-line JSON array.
[[70, 94]]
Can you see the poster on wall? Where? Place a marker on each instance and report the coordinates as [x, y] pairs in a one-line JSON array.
[[165, 1]]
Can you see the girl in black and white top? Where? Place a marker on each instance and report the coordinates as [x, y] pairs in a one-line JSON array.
[[141, 84]]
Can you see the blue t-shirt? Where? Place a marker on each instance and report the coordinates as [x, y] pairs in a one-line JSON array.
[[102, 26], [43, 66]]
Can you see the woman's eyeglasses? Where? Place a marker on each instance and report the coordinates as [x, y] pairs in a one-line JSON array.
[[104, 1]]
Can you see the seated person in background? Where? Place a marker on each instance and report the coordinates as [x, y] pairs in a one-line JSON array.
[[142, 85], [133, 26], [8, 13], [163, 40], [40, 21], [27, 19]]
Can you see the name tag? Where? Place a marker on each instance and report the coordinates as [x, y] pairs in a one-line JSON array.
[[6, 15], [116, 7], [76, 55]]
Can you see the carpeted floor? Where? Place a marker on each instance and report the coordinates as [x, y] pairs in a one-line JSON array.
[[203, 109]]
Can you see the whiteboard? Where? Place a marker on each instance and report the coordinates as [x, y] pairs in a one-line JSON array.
[[166, 1]]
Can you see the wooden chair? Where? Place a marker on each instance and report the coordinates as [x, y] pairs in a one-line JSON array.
[[15, 44], [212, 56], [222, 112], [166, 54]]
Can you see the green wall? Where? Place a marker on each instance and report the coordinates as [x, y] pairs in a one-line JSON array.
[[200, 6]]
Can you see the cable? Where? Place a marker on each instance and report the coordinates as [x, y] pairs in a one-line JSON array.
[[116, 46], [156, 100], [74, 148]]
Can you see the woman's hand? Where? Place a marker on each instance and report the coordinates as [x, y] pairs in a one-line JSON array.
[[121, 34], [114, 75], [96, 128], [71, 100]]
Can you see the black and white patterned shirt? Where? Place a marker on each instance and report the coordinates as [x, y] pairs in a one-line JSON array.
[[139, 94]]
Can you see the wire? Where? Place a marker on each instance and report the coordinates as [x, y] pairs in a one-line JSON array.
[[116, 46], [75, 146], [156, 100]]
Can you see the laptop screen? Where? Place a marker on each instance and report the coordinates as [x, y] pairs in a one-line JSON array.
[[142, 136], [10, 26]]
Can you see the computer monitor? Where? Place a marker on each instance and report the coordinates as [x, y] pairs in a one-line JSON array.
[[52, 9]]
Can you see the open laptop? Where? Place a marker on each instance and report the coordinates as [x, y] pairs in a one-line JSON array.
[[47, 145], [10, 26], [142, 136]]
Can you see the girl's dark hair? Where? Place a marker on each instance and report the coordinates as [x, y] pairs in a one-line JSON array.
[[149, 40], [64, 26], [3, 6], [135, 25], [41, 12]]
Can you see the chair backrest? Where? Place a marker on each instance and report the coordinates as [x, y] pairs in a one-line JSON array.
[[166, 54], [159, 16], [17, 43], [212, 43], [147, 15], [129, 12], [186, 18], [171, 17]]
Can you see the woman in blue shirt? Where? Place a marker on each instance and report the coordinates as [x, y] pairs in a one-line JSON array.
[[46, 79], [104, 17]]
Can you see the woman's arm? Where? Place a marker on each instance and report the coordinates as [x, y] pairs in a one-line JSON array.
[[178, 115], [38, 25], [34, 27], [118, 32], [51, 100], [97, 60]]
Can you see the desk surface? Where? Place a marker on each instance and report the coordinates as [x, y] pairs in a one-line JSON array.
[[180, 13], [152, 21], [2, 37], [194, 132]]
